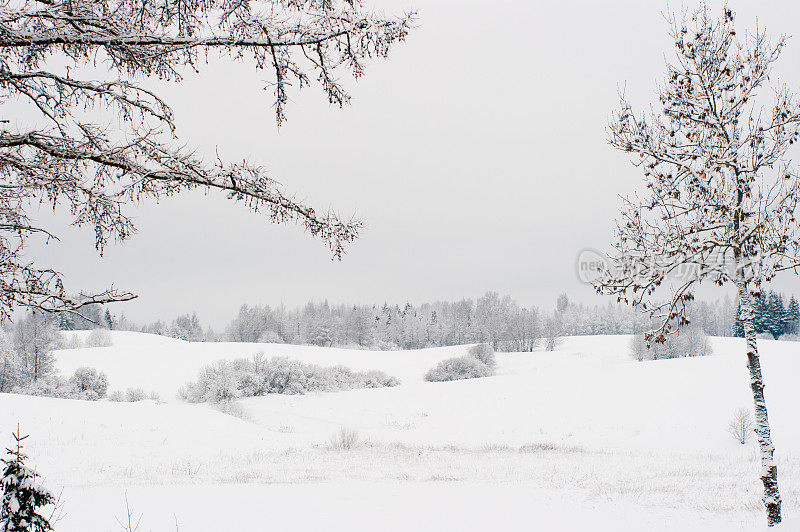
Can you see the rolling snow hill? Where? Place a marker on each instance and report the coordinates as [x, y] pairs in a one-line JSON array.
[[581, 438]]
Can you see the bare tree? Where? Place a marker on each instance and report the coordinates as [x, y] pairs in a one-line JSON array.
[[98, 146], [552, 331], [34, 339], [721, 195], [741, 425]]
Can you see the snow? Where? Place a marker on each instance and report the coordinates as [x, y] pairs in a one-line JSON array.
[[581, 438]]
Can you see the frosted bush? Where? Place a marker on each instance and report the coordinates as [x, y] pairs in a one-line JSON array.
[[117, 396], [89, 382], [86, 384], [452, 369], [99, 338], [229, 380], [687, 342], [133, 395], [49, 386], [484, 353]]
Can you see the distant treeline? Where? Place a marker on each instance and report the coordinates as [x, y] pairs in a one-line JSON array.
[[494, 319]]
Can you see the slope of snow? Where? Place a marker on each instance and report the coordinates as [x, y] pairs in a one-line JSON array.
[[161, 364], [578, 437]]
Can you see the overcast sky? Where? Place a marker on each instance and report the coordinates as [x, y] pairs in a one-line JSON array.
[[476, 154]]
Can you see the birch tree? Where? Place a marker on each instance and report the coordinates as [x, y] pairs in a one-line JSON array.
[[97, 146], [720, 195]]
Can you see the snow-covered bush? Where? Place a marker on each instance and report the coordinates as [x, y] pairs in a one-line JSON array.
[[242, 377], [99, 338], [117, 396], [457, 368], [687, 342], [741, 425], [89, 382], [22, 495], [484, 353], [85, 384], [133, 395]]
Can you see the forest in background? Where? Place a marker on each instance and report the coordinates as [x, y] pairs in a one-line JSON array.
[[492, 318]]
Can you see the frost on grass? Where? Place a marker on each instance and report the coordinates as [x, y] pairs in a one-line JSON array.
[[250, 377], [479, 362]]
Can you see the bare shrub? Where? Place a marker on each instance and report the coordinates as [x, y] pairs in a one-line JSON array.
[[99, 338], [741, 425], [344, 440], [133, 395], [117, 396]]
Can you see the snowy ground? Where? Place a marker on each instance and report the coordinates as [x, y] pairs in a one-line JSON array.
[[580, 439]]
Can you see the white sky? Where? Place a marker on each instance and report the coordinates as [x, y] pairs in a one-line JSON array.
[[476, 154]]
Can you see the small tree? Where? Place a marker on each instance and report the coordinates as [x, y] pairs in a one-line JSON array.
[[552, 331], [89, 383], [22, 494], [721, 197], [741, 425]]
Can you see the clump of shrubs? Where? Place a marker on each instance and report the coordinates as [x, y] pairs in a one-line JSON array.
[[85, 384], [687, 342], [484, 353], [478, 362], [132, 395], [228, 380], [99, 338]]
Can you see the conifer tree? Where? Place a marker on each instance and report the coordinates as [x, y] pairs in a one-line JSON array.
[[22, 495], [793, 313]]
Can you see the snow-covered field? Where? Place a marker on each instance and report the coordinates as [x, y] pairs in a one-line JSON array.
[[583, 438]]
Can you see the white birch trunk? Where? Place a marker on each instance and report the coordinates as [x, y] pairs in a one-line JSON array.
[[769, 471]]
